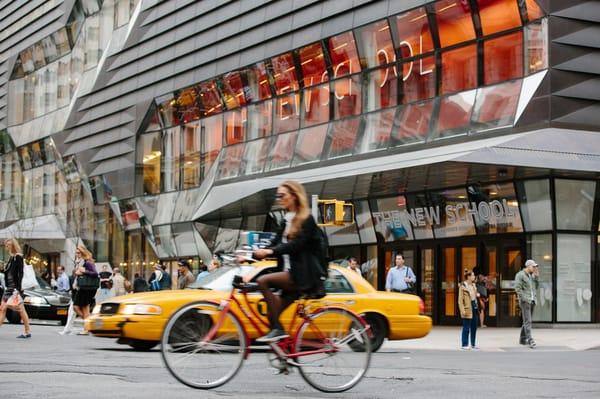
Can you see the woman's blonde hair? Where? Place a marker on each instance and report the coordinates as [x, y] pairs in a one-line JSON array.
[[302, 209], [85, 254], [14, 245]]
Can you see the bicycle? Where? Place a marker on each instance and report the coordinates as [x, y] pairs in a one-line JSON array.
[[205, 343]]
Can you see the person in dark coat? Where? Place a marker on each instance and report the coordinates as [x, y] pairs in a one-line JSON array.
[[139, 284], [294, 248], [13, 276]]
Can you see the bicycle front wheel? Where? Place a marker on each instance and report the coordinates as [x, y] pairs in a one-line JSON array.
[[203, 347], [324, 347]]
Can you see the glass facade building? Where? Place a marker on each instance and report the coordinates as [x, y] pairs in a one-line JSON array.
[[461, 131]]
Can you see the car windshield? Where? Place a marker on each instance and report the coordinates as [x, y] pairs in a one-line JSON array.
[[42, 283], [221, 279]]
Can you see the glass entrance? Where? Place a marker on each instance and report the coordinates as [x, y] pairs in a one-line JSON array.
[[510, 262]]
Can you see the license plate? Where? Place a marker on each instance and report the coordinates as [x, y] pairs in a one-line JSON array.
[[98, 323], [61, 312]]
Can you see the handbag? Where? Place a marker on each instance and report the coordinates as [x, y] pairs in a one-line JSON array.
[[87, 282], [29, 280], [410, 286]]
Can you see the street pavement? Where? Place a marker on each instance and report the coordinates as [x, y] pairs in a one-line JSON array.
[[53, 366]]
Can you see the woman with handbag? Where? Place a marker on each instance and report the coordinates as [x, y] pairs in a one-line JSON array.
[[13, 295], [88, 282], [467, 305]]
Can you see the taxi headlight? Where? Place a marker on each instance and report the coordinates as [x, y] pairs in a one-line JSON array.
[[35, 300], [96, 309], [141, 309]]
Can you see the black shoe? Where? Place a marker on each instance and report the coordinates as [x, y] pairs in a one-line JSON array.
[[24, 336], [522, 343], [532, 344], [273, 336]]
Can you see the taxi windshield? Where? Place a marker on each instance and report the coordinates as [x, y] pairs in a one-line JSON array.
[[221, 279]]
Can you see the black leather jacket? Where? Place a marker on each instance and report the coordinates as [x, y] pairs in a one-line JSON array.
[[15, 268]]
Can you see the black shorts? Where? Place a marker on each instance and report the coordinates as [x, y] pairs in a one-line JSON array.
[[84, 297]]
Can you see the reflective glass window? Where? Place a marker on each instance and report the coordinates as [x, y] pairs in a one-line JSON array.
[[25, 156], [347, 99], [342, 235], [459, 69], [50, 51], [455, 114], [381, 88], [184, 239], [312, 63], [165, 245], [16, 97], [39, 60], [284, 73], [535, 203], [255, 155], [413, 123], [228, 235], [149, 155], [495, 106], [28, 97], [210, 98], [233, 88], [287, 113], [418, 78], [187, 105], [495, 208], [421, 215], [378, 129], [574, 204], [38, 192], [171, 153], [282, 152], [310, 144], [315, 105], [212, 141], [390, 218], [573, 278], [258, 85], [231, 161], [534, 11], [343, 54], [64, 71], [536, 47], [92, 41], [61, 41], [364, 222], [260, 120], [452, 206], [191, 155], [539, 247], [167, 108], [503, 58], [498, 15], [235, 125], [455, 24], [412, 34], [343, 137], [375, 44], [26, 57], [49, 188], [37, 154]]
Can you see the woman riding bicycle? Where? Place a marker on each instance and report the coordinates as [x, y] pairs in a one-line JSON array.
[[294, 248]]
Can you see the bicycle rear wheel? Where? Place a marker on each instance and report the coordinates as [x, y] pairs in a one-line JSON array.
[[199, 355], [333, 333]]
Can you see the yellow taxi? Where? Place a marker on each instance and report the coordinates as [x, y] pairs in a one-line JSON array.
[[138, 319]]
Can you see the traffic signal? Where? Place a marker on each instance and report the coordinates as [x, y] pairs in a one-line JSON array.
[[335, 213]]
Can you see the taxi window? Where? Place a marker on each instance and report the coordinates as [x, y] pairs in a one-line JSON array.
[[336, 283]]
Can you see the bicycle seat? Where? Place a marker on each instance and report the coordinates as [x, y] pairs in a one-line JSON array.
[[238, 282]]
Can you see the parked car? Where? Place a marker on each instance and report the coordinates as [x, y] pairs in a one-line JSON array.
[[138, 319], [42, 303]]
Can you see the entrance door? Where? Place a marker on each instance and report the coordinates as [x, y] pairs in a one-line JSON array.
[[509, 262], [454, 261]]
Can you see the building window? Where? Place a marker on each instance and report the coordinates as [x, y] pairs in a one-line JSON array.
[[574, 204], [282, 152], [187, 105], [191, 155], [534, 11], [284, 73], [536, 45], [315, 105], [498, 15], [418, 78], [539, 247], [495, 106], [536, 207], [375, 45], [258, 85], [495, 208], [455, 114], [209, 98], [255, 156], [343, 54], [347, 99], [260, 120], [343, 137], [312, 63], [573, 278], [381, 88], [287, 113], [212, 141], [233, 90], [455, 24], [310, 145], [412, 34], [413, 123], [459, 69], [503, 58], [235, 125], [231, 161], [171, 153], [451, 207]]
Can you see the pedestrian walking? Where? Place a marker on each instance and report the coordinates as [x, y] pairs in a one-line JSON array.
[[87, 283], [106, 284], [166, 282], [155, 278], [72, 314], [139, 284], [203, 273], [118, 283], [13, 294], [526, 286], [400, 278], [62, 284], [185, 278], [467, 305]]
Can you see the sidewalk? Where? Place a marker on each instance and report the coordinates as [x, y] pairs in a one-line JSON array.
[[504, 339]]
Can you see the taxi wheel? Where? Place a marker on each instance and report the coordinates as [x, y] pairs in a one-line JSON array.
[[140, 345], [378, 329]]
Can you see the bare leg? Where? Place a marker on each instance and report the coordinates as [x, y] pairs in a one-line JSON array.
[[275, 304], [3, 307], [25, 319], [78, 311]]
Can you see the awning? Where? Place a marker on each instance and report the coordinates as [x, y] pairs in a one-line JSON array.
[[38, 228]]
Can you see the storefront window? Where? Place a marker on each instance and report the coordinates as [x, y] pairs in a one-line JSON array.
[[312, 62], [315, 105], [191, 155], [347, 99], [343, 137], [451, 208], [381, 88], [455, 114], [573, 278], [418, 78], [258, 86], [183, 236], [282, 151], [412, 34], [343, 54], [375, 44], [167, 109], [539, 248], [63, 95], [148, 163], [378, 129], [498, 15], [536, 207], [574, 204], [235, 125], [212, 141], [187, 105], [342, 235], [459, 69], [287, 113], [171, 153], [495, 208], [364, 222], [15, 99], [284, 74], [390, 218], [255, 156], [503, 58], [231, 161], [209, 98], [413, 123], [232, 85], [309, 147], [536, 46], [455, 24], [495, 106], [421, 215], [260, 120]]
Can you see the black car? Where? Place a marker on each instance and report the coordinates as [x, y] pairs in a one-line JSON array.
[[42, 303]]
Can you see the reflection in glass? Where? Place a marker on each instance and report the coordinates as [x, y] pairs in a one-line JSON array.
[[228, 235], [498, 15], [255, 156], [343, 235], [208, 233], [187, 105], [377, 132], [418, 78], [381, 88], [574, 204], [495, 106], [284, 73], [184, 239], [212, 141], [310, 145], [312, 62], [210, 99], [282, 151], [422, 216], [536, 54], [287, 113], [347, 99], [495, 208], [343, 137], [232, 87], [315, 106], [534, 11], [260, 120], [375, 44], [573, 278], [412, 33], [167, 109], [455, 114], [171, 151], [413, 123], [235, 125], [258, 87], [539, 248], [364, 222], [503, 58], [165, 245], [390, 218], [343, 54], [455, 24], [191, 155], [452, 206], [536, 207], [459, 69], [230, 162]]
